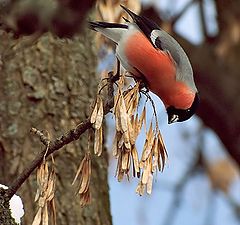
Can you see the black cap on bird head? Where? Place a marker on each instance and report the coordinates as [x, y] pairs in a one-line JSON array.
[[180, 115]]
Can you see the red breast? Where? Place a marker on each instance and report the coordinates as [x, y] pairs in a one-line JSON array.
[[159, 70]]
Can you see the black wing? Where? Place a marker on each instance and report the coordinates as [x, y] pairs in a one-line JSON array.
[[144, 24], [94, 25]]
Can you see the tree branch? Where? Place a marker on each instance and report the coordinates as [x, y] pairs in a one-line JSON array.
[[203, 19], [58, 143]]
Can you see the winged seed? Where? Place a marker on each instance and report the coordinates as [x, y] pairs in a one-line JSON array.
[[94, 114], [149, 183], [99, 117]]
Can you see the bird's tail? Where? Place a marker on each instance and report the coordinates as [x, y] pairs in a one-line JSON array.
[[113, 31], [97, 24]]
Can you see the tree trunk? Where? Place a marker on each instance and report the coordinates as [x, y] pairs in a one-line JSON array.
[[50, 85]]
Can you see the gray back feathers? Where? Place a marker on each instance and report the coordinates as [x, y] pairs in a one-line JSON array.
[[169, 44]]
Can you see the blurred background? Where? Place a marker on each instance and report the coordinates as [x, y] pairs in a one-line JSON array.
[[50, 66], [201, 183]]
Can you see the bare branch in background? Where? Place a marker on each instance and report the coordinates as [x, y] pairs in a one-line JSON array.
[[203, 19], [181, 13], [178, 189]]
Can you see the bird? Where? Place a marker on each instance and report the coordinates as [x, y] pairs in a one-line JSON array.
[[147, 51]]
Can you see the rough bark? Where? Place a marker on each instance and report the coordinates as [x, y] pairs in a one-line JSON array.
[[51, 85]]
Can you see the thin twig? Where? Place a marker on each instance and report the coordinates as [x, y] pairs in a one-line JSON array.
[[203, 19], [40, 134]]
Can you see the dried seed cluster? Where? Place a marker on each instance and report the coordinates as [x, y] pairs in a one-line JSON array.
[[45, 195], [128, 125], [153, 159], [97, 120], [83, 176]]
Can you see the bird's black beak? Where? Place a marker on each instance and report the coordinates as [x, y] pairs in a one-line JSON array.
[[173, 118]]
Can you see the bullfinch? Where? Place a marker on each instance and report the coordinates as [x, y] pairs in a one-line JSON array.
[[146, 51]]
